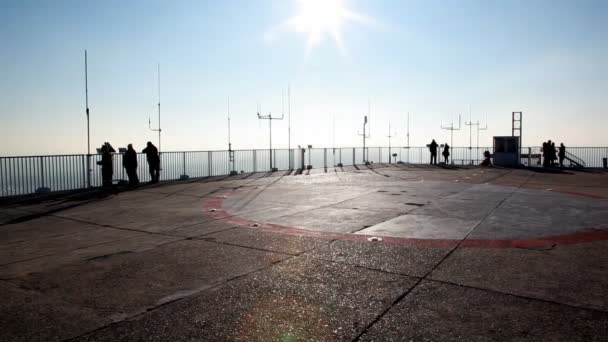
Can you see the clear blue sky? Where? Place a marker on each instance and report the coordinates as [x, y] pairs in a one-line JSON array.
[[434, 59]]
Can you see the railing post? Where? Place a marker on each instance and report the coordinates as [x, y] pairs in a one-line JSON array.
[[325, 159], [84, 168], [255, 161], [340, 156], [529, 156], [184, 162], [354, 160], [209, 161], [88, 170], [41, 159]]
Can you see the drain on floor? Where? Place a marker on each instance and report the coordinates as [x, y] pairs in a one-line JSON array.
[[254, 225], [374, 239], [382, 191], [415, 204], [212, 209]]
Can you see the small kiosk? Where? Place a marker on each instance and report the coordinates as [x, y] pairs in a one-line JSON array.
[[506, 151]]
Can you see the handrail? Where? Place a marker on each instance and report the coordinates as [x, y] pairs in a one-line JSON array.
[[22, 175], [576, 160]]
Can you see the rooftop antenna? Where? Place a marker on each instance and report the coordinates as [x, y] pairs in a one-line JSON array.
[[451, 128], [86, 96], [289, 126], [365, 134], [408, 130], [150, 120], [389, 136], [230, 151], [270, 118], [470, 135], [479, 128]]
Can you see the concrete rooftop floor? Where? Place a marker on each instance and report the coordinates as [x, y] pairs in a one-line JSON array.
[[389, 253]]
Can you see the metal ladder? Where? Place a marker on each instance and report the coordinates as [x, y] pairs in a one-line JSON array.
[[574, 160]]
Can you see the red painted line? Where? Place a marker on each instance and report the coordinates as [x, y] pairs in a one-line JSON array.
[[215, 203], [598, 197]]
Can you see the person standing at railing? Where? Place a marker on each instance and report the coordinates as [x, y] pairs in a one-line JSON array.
[[129, 162], [107, 170], [562, 154], [446, 153], [153, 161], [553, 153], [433, 148]]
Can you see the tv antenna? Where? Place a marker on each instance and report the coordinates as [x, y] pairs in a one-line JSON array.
[[408, 130], [451, 128], [230, 151], [289, 126], [389, 136], [86, 96], [270, 118], [159, 130], [366, 134], [479, 128]]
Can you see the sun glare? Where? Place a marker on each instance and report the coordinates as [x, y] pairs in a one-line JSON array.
[[320, 18]]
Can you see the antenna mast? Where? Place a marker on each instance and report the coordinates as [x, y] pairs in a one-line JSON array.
[[289, 126], [270, 118], [389, 136], [230, 151], [86, 95], [479, 128], [159, 130], [451, 128], [365, 135]]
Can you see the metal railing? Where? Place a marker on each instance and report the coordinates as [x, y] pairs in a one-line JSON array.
[[32, 174]]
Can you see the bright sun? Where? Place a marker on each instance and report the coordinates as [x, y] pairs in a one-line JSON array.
[[317, 18]]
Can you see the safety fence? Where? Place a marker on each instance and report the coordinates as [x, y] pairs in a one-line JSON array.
[[22, 175]]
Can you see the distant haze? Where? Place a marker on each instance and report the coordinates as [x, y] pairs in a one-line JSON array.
[[434, 59]]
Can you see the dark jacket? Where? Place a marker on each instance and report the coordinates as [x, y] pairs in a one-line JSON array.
[[433, 147], [152, 154], [129, 159]]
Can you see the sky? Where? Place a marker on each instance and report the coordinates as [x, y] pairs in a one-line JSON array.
[[435, 60]]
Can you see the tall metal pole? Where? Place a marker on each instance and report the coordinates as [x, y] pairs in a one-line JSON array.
[[159, 129], [389, 136], [451, 128], [470, 137], [408, 137], [364, 136], [270, 125], [86, 95], [270, 118], [479, 128], [150, 121], [230, 151], [289, 126], [408, 130]]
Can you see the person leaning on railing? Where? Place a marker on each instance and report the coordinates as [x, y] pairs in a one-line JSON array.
[[107, 170], [129, 162], [153, 161]]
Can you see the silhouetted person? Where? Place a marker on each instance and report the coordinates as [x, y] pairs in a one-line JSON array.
[[433, 149], [553, 154], [562, 154], [486, 159], [545, 152], [129, 162], [107, 170], [153, 161], [446, 152]]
